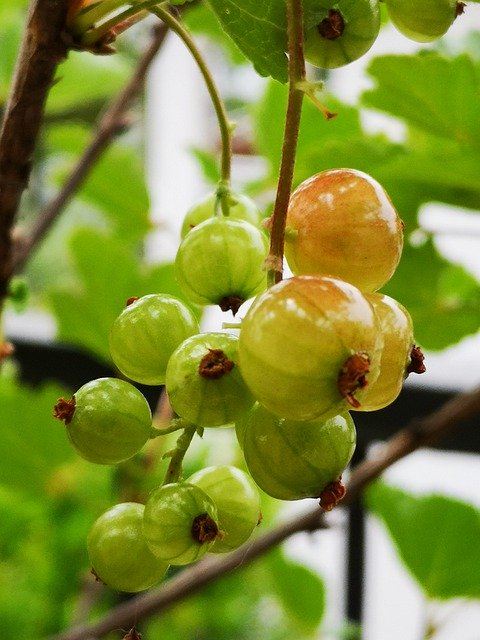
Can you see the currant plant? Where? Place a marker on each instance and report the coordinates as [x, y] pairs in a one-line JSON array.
[[308, 351]]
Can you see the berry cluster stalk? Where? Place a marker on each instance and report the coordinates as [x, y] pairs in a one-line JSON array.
[[296, 79]]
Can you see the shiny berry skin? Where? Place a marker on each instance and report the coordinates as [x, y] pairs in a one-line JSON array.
[[146, 333], [118, 552], [108, 420], [342, 223], [396, 326], [309, 347], [338, 33], [204, 382], [241, 207], [425, 20], [221, 262], [237, 500], [292, 460], [180, 523]]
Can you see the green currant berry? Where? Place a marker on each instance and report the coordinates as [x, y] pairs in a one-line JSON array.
[[180, 523], [241, 207], [396, 327], [237, 500], [423, 20], [146, 333], [291, 460], [309, 346], [118, 552], [339, 32], [107, 420], [221, 262], [204, 383], [342, 223]]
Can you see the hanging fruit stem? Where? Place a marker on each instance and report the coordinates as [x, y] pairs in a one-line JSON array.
[[296, 76]]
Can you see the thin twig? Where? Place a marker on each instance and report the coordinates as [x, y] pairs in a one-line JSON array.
[[41, 51], [110, 124], [418, 433]]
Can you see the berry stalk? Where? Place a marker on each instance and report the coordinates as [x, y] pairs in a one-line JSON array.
[[296, 76]]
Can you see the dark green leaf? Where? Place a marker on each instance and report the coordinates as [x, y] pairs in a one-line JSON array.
[[259, 31], [436, 537]]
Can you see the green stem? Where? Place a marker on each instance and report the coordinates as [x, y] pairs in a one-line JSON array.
[[296, 76], [174, 471], [223, 122]]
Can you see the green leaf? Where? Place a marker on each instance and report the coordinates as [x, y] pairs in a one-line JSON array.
[[442, 298], [116, 185], [84, 77], [436, 537], [33, 443], [300, 590], [259, 31], [431, 92]]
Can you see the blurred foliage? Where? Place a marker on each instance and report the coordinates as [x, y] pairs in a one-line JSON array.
[[93, 260], [426, 531]]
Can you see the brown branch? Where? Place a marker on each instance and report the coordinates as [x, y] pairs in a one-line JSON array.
[[41, 51], [110, 124], [418, 433]]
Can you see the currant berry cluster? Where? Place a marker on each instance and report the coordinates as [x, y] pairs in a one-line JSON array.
[[338, 33], [310, 349]]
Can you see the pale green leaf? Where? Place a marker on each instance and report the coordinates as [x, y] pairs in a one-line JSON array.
[[300, 590], [443, 299], [436, 537], [432, 92], [83, 76]]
